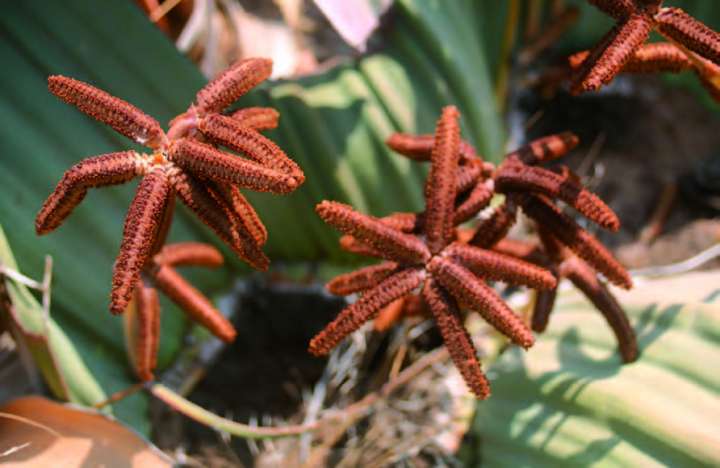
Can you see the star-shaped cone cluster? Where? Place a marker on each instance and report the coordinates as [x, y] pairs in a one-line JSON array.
[[186, 162], [142, 322], [448, 273], [664, 57], [432, 267], [566, 249], [621, 49]]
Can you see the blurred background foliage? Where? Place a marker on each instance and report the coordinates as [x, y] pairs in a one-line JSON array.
[[429, 53]]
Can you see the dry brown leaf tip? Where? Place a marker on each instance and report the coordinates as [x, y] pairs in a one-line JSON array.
[[48, 433]]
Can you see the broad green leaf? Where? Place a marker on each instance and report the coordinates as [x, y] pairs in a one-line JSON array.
[[569, 402]]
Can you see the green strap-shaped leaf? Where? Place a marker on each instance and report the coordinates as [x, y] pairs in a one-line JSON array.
[[569, 402], [57, 358]]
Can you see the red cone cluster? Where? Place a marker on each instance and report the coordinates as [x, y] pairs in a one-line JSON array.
[[431, 267], [190, 162]]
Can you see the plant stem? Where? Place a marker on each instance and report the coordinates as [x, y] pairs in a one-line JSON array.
[[219, 423], [345, 417]]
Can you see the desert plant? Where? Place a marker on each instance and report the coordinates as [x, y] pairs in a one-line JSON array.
[[335, 125]]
